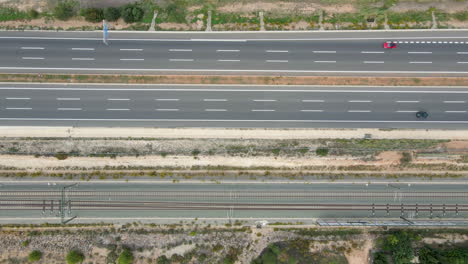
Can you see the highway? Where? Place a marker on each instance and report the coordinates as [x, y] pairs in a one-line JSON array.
[[289, 53], [231, 106], [235, 200]]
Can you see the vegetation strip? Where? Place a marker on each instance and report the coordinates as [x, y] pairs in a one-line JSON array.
[[234, 79]]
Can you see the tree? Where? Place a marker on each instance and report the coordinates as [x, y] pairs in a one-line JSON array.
[[65, 10], [111, 14], [132, 13], [92, 14], [74, 257], [35, 255], [126, 257]]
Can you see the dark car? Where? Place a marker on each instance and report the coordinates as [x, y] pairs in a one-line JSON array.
[[389, 45], [422, 114]]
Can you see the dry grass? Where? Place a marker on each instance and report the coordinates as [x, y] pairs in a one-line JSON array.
[[236, 79]]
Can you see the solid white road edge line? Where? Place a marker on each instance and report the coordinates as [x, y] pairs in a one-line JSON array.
[[232, 120], [224, 70], [234, 90]]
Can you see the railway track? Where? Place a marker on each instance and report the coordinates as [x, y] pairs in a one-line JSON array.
[[144, 205], [230, 194]]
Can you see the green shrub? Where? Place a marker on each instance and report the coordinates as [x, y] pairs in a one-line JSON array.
[[65, 10], [163, 260], [25, 243], [126, 257], [406, 158], [176, 11], [93, 14], [321, 152], [74, 257], [61, 155], [132, 13], [10, 13], [33, 14], [111, 14], [195, 152], [461, 16], [35, 255]]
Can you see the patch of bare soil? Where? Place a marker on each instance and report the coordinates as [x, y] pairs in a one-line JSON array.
[[456, 145], [286, 8], [389, 158], [447, 6], [453, 23], [360, 254], [176, 26]]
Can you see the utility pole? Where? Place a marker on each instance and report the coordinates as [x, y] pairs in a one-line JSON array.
[[63, 205]]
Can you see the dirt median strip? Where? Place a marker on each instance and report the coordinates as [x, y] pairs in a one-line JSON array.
[[235, 79]]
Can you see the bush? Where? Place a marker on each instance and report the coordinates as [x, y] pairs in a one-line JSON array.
[[74, 257], [132, 13], [163, 260], [111, 14], [126, 257], [65, 10], [61, 155], [93, 14], [33, 14], [34, 256], [406, 158], [321, 152], [10, 13], [25, 243]]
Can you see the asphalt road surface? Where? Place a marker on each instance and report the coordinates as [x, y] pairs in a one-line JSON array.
[[242, 200], [232, 106], [289, 53]]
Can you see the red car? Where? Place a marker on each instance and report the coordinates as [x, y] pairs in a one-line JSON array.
[[389, 45]]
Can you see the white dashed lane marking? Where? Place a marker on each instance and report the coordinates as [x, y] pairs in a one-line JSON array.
[[83, 59], [455, 112], [167, 99], [89, 49], [429, 42], [419, 52], [69, 109], [32, 58], [227, 50], [181, 50], [372, 52], [373, 62], [215, 110], [313, 101], [324, 51], [359, 111], [307, 110], [454, 102], [407, 101], [215, 100], [420, 62], [132, 59], [18, 108], [360, 101], [277, 51], [18, 98], [180, 59], [32, 48], [68, 99], [167, 109]]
